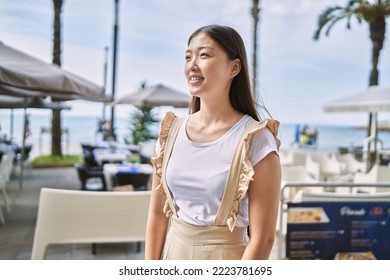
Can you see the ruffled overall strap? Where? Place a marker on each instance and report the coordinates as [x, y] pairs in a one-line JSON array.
[[240, 174], [169, 129]]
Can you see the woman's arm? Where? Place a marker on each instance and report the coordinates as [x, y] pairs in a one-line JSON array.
[[264, 192], [157, 224]]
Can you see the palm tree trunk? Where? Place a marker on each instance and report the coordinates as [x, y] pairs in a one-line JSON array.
[[56, 114], [56, 133], [255, 15], [377, 36]]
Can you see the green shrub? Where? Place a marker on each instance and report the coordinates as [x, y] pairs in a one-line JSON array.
[[55, 161]]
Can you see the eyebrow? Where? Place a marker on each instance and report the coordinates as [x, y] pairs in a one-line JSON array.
[[201, 48]]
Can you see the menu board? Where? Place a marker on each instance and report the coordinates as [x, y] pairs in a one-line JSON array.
[[338, 230]]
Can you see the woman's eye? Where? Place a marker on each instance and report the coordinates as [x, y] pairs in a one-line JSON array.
[[203, 55], [187, 57]]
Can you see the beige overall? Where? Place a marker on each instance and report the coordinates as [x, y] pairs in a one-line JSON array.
[[221, 241]]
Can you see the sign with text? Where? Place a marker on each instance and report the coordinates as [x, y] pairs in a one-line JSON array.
[[338, 230]]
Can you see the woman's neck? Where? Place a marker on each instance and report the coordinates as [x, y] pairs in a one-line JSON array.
[[210, 123], [217, 112]]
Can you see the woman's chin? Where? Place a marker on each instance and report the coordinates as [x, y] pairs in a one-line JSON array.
[[194, 93]]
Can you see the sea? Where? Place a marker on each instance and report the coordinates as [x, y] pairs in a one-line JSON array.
[[84, 129]]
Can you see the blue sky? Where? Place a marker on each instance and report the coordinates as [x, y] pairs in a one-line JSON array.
[[297, 74]]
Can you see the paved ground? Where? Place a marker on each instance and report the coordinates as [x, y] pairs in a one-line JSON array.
[[16, 236]]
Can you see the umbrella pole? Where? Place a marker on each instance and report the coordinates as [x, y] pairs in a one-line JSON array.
[[21, 166], [105, 78], [373, 124], [11, 126], [374, 134], [114, 58], [371, 143]]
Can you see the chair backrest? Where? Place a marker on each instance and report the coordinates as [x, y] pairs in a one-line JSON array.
[[312, 167], [352, 165], [89, 158], [369, 177], [299, 157], [6, 166], [81, 171], [138, 180], [286, 155], [296, 173], [69, 216], [383, 174]]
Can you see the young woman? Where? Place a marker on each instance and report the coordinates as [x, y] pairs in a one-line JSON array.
[[217, 171]]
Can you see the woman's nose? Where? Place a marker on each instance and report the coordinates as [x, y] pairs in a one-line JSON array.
[[192, 65]]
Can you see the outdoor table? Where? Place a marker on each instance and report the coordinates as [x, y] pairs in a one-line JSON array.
[[104, 155], [111, 145], [111, 170]]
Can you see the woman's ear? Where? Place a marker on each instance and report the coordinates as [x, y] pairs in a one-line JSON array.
[[236, 67]]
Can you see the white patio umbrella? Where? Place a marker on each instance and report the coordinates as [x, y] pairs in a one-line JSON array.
[[374, 99], [158, 95], [26, 76], [14, 102]]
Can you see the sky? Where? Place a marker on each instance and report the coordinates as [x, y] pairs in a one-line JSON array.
[[296, 74]]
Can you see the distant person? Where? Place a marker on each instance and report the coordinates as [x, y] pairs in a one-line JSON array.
[[99, 130], [297, 136], [314, 137], [100, 126], [106, 129], [305, 137], [189, 215], [27, 130]]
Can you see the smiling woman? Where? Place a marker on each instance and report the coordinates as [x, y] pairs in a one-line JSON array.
[[217, 170]]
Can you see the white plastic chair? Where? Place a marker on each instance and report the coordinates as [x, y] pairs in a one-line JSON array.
[[296, 174], [323, 166], [6, 166], [286, 155], [299, 157], [67, 216], [312, 167], [292, 156], [377, 174], [351, 164]]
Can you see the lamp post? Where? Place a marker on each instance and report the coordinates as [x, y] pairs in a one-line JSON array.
[[114, 67]]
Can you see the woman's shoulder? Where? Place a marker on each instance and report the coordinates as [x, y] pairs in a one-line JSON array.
[[264, 130], [270, 124]]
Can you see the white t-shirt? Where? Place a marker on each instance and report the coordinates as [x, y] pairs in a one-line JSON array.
[[197, 172]]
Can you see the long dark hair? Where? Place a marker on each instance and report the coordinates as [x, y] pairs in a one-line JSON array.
[[240, 93]]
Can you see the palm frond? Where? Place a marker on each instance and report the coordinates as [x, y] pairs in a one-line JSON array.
[[332, 23], [326, 17]]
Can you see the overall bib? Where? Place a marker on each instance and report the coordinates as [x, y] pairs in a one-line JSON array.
[[222, 240]]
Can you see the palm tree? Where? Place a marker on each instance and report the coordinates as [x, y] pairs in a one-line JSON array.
[[56, 114], [373, 12], [141, 121], [255, 14]]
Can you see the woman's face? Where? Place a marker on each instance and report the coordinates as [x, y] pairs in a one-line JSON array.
[[208, 69]]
